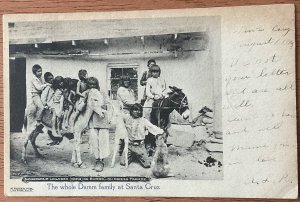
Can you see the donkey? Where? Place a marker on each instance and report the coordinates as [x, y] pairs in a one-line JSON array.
[[93, 104]]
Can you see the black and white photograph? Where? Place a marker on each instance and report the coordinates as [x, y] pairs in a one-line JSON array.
[[170, 103], [116, 98]]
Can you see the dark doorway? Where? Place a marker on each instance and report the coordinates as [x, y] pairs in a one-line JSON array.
[[17, 83]]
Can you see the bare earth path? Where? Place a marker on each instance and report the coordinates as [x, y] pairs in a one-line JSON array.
[[185, 163]]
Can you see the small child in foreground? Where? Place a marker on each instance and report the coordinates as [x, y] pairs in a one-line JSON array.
[[138, 128]]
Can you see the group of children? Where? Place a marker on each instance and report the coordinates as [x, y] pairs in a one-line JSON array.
[[137, 117], [59, 95], [155, 88], [62, 97]]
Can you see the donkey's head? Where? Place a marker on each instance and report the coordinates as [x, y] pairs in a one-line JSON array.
[[180, 101], [95, 101]]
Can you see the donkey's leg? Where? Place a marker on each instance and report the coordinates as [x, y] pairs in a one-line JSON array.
[[77, 147], [24, 158], [74, 159], [126, 140], [54, 124], [28, 136], [116, 149], [33, 137], [78, 152], [69, 115]]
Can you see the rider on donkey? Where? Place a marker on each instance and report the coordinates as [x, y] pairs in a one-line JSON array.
[[155, 88]]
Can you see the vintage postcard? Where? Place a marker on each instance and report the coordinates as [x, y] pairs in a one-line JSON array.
[[183, 103]]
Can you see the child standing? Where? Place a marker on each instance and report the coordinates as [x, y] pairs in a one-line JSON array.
[[37, 86], [98, 127], [146, 75], [57, 106], [138, 128]]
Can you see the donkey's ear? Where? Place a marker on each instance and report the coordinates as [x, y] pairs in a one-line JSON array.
[[176, 89], [172, 87]]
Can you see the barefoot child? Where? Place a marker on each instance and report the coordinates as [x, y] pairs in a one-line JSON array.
[[80, 89], [138, 128], [155, 88], [57, 106], [98, 127], [70, 100]]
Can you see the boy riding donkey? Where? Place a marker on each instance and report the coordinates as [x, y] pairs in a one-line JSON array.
[[155, 89], [37, 87]]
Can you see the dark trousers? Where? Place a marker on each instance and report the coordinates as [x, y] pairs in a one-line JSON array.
[[139, 154]]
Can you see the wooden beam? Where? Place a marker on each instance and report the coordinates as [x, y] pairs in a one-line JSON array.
[[51, 31]]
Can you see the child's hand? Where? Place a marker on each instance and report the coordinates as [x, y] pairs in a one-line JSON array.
[[60, 114], [156, 97]]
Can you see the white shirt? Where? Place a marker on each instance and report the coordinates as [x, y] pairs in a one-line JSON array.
[[126, 96], [138, 128], [155, 87]]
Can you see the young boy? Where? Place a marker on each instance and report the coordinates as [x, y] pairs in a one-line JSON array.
[[48, 92], [155, 88], [146, 75], [125, 94], [82, 84], [98, 127], [138, 128], [69, 101], [80, 89], [57, 106], [37, 87]]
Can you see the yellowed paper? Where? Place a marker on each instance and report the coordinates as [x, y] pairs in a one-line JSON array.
[[237, 61]]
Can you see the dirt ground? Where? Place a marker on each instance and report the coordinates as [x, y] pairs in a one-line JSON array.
[[185, 163]]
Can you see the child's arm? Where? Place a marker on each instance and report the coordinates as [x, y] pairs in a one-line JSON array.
[[143, 80], [123, 97], [44, 95], [69, 97], [164, 86], [125, 117], [148, 88], [38, 86], [152, 128], [78, 89]]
